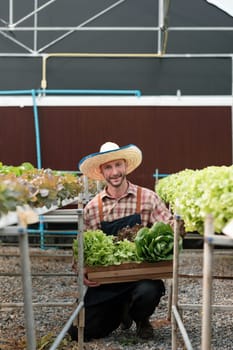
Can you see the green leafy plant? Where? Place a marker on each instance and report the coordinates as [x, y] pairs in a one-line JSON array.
[[98, 248], [195, 193], [155, 243], [12, 194], [102, 249], [151, 245], [24, 184]]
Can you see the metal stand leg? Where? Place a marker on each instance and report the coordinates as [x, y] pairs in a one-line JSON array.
[[207, 286], [27, 289], [81, 316], [175, 283], [169, 301]]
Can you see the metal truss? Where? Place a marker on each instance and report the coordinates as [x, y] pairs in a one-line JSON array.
[[8, 27]]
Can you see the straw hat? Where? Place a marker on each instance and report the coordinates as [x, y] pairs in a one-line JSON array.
[[109, 151]]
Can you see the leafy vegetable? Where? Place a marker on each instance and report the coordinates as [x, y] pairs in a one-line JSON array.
[[150, 245], [101, 249], [98, 248], [16, 170], [12, 193], [195, 193], [156, 243], [128, 233], [125, 251], [26, 185]]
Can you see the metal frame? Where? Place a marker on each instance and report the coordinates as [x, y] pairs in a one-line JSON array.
[[22, 232], [11, 26], [210, 239]]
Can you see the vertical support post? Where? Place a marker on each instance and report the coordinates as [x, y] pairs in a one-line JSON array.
[[207, 285], [11, 13], [232, 109], [98, 186], [35, 25], [81, 315], [27, 289], [86, 188], [175, 279], [156, 175], [169, 311], [160, 24]]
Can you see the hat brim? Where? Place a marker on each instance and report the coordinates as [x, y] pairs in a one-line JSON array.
[[90, 165]]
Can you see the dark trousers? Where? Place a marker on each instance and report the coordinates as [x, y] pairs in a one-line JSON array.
[[139, 302]]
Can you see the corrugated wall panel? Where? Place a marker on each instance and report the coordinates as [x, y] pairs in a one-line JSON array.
[[171, 138]]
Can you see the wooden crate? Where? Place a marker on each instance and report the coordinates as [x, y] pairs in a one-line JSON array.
[[130, 272]]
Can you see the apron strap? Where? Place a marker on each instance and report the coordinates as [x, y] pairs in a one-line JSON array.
[[100, 205], [139, 195]]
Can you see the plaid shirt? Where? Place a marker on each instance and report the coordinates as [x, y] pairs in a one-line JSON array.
[[152, 209]]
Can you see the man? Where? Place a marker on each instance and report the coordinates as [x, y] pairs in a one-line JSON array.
[[120, 204]]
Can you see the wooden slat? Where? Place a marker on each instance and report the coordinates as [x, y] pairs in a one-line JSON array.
[[130, 272]]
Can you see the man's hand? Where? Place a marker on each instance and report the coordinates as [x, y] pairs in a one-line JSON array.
[[86, 281]]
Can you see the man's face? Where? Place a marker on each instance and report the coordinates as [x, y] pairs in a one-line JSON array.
[[114, 172]]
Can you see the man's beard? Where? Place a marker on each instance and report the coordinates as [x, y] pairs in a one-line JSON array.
[[116, 185]]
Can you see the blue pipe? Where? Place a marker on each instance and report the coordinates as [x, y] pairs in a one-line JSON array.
[[15, 92], [41, 229], [68, 92], [92, 92], [58, 232], [160, 175], [37, 130]]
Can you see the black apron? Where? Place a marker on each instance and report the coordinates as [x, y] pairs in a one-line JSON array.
[[96, 295]]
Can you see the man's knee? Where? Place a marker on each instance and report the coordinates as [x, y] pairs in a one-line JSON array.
[[146, 296], [150, 288]]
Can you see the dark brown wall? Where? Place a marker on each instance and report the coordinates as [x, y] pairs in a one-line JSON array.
[[171, 138], [17, 136]]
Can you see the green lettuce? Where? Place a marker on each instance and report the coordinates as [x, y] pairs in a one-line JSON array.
[[155, 243], [102, 249], [195, 193]]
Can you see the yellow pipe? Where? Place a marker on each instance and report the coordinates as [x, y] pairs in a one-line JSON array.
[[102, 55]]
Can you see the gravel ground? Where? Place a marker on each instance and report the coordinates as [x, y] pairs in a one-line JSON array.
[[50, 320]]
